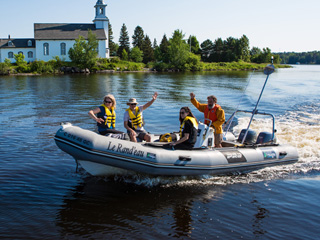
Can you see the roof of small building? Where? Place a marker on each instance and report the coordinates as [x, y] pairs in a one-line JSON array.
[[66, 31], [17, 43]]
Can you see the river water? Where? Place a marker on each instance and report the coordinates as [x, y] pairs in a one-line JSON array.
[[42, 196]]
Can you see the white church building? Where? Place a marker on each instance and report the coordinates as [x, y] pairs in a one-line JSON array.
[[55, 39]]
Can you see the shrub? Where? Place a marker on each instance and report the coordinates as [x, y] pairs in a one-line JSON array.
[[4, 69]]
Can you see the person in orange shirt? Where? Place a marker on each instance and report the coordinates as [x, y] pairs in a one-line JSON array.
[[215, 113]]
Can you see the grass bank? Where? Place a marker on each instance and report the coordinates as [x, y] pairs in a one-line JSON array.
[[116, 65]]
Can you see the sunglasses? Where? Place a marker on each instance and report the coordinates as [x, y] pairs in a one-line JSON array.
[[133, 104], [107, 101], [182, 112]]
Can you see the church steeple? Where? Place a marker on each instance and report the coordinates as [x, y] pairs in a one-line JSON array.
[[101, 20]]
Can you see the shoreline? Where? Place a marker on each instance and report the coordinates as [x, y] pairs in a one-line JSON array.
[[220, 67]]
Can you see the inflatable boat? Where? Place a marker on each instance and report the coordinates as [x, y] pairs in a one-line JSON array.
[[102, 155], [105, 155]]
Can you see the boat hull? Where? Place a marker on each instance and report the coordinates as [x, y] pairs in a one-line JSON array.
[[102, 156]]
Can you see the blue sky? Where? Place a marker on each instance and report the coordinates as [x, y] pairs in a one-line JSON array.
[[281, 25]]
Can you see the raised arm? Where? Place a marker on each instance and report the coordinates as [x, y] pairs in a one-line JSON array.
[[199, 106], [148, 104]]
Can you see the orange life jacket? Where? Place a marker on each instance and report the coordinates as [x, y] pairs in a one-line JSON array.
[[211, 114]]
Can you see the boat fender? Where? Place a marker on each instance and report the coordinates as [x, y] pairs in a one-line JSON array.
[[184, 158]]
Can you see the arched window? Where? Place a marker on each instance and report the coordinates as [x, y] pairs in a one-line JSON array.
[[10, 54], [29, 43], [30, 54], [46, 49], [63, 48], [20, 52]]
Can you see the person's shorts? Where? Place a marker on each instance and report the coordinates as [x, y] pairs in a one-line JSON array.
[[218, 138], [140, 134]]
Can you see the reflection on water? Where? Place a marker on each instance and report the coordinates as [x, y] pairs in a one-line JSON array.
[[97, 206]]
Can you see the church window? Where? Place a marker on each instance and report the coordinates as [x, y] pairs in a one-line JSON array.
[[101, 11], [10, 54], [29, 43], [10, 43], [63, 48], [30, 54], [46, 49]]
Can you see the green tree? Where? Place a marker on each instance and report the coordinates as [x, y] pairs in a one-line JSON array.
[[21, 63], [155, 44], [254, 54], [195, 48], [243, 49], [124, 43], [112, 45], [5, 67], [138, 37], [136, 54], [148, 52], [219, 48], [19, 59], [162, 52], [84, 52], [178, 50], [230, 50], [207, 49], [259, 56], [125, 55]]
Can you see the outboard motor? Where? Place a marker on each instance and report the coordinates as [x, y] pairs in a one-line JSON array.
[[251, 136], [265, 137]]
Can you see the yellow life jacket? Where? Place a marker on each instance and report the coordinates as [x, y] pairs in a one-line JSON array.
[[136, 118], [193, 121], [110, 117]]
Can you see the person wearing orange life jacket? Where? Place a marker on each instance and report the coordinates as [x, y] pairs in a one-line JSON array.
[[215, 113], [133, 119], [105, 116], [188, 130]]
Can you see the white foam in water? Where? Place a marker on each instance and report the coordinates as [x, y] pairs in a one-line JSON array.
[[299, 128]]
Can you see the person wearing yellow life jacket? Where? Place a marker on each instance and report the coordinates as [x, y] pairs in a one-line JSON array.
[[188, 130], [105, 116], [133, 119], [215, 113]]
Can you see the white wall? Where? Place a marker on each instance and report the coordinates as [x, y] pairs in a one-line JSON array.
[[54, 49], [4, 53]]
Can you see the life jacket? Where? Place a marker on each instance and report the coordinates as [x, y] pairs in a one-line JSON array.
[[211, 114], [193, 134], [136, 118], [108, 116]]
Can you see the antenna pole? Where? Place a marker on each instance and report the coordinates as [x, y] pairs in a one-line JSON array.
[[267, 70]]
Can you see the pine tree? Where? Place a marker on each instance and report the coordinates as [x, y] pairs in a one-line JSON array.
[[164, 49], [138, 37], [124, 43], [112, 45], [206, 50], [148, 52]]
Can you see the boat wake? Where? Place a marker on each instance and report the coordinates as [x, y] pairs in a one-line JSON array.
[[299, 127]]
